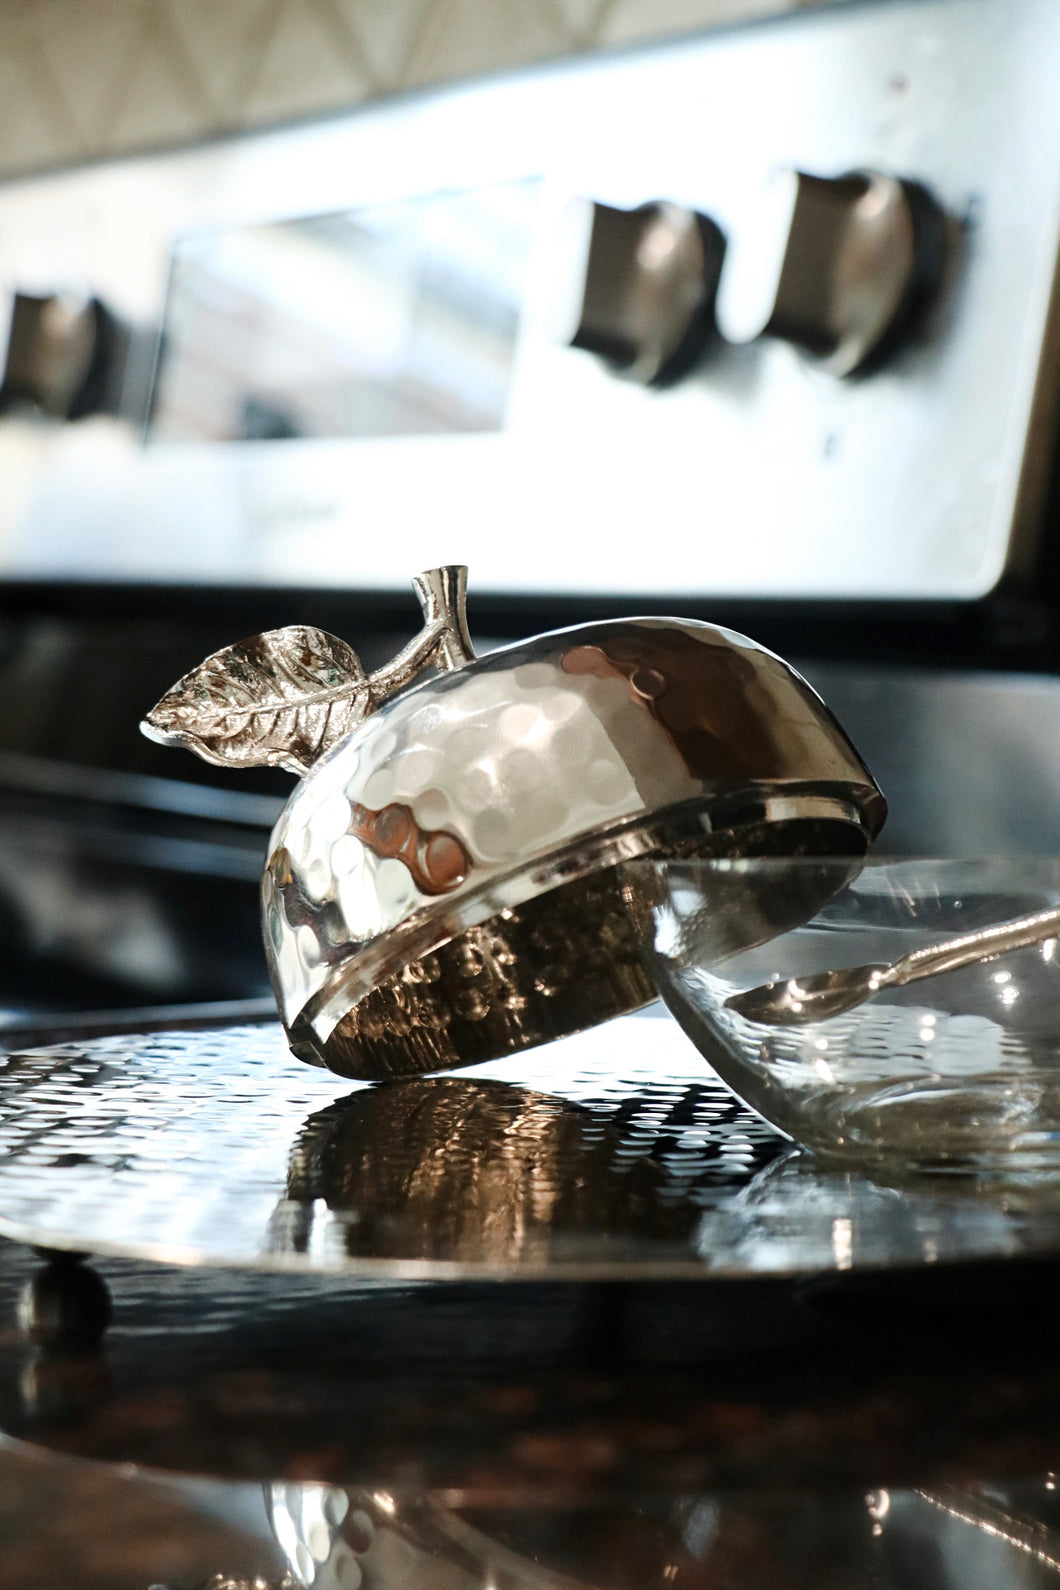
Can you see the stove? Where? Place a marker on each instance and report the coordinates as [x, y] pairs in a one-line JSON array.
[[758, 327]]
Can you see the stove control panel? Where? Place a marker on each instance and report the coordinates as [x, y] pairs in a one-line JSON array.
[[768, 313]]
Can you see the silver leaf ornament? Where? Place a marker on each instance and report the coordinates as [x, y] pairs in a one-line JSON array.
[[276, 700], [284, 698]]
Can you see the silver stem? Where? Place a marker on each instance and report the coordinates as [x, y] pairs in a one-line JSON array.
[[443, 597]]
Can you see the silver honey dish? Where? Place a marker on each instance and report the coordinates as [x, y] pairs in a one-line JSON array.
[[447, 883]]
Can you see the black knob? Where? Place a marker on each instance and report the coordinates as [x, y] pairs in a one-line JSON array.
[[839, 266], [641, 288], [68, 356]]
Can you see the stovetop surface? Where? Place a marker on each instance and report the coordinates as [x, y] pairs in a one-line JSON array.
[[556, 1300]]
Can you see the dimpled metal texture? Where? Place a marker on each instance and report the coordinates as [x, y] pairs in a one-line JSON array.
[[614, 1155], [220, 1147], [443, 886]]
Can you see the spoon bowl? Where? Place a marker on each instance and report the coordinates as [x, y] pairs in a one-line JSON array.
[[801, 1000], [798, 1001]]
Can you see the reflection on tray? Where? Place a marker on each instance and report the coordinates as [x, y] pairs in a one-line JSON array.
[[217, 1145], [612, 1152], [475, 1171], [948, 1537], [801, 1205]]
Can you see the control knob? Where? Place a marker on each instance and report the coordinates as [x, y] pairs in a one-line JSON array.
[[68, 355], [839, 266], [640, 286]]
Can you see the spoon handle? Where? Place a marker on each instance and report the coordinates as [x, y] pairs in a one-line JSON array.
[[971, 947]]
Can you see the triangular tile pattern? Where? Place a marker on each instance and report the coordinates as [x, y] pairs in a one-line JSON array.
[[80, 78], [34, 130], [310, 63], [584, 20], [465, 37], [226, 44], [388, 33], [75, 59], [161, 98], [630, 20]]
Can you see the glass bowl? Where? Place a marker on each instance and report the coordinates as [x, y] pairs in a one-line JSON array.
[[959, 1071]]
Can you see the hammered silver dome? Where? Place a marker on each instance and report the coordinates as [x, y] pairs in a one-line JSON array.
[[446, 885]]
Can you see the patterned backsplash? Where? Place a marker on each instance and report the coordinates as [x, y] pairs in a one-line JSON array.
[[81, 79]]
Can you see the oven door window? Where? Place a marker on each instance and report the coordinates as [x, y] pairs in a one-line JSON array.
[[395, 321]]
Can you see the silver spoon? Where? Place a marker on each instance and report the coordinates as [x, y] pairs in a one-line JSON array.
[[800, 1000]]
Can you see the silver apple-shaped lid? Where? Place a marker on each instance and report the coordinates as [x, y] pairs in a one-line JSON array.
[[447, 883]]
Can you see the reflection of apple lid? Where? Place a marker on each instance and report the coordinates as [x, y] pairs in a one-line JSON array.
[[473, 1171], [339, 1538], [446, 884]]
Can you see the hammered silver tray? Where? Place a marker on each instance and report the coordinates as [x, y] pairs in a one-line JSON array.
[[616, 1154]]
